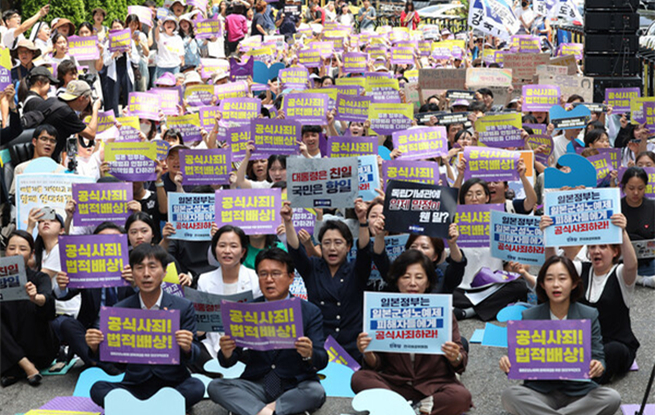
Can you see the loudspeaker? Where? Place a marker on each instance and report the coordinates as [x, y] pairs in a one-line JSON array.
[[613, 5], [601, 83], [611, 43], [604, 22], [611, 65]]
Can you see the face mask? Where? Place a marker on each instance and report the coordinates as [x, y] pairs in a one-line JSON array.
[[145, 128]]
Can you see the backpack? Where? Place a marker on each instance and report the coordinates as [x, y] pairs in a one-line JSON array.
[[34, 118]]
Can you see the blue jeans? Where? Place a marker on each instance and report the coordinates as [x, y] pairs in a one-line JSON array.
[[647, 269]]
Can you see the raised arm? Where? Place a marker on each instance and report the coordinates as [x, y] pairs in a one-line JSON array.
[[630, 262]]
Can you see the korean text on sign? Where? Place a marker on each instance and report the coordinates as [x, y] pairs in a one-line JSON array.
[[101, 202], [256, 212], [93, 261]]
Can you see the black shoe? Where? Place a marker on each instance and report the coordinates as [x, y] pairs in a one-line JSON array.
[[459, 313], [9, 380], [35, 380]]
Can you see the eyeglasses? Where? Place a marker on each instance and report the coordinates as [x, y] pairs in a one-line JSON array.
[[337, 243], [276, 275], [50, 140]]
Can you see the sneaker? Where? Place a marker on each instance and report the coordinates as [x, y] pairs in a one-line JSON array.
[[646, 281]]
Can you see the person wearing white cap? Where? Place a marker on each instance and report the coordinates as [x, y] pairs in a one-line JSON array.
[[170, 48], [178, 7]]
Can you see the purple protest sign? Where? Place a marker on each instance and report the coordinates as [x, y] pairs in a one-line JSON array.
[[139, 336], [491, 164], [549, 349], [603, 165], [537, 140], [619, 98], [402, 56], [93, 261], [355, 62], [238, 138], [486, 277], [143, 13], [201, 167], [119, 40], [352, 108], [101, 202], [83, 48], [614, 154], [303, 219], [410, 171], [349, 146], [129, 130], [198, 95], [275, 136], [575, 49], [208, 117], [241, 71], [207, 28], [502, 130], [473, 224], [256, 212], [421, 143], [5, 78], [131, 161], [240, 110], [294, 78], [169, 99], [310, 58], [263, 326], [540, 97], [308, 109], [338, 354], [536, 128], [144, 105], [188, 125]]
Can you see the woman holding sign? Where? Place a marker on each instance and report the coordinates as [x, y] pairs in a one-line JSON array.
[[609, 287], [428, 379], [558, 288]]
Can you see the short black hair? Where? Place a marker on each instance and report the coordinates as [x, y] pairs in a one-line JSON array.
[[145, 218], [635, 171], [22, 234], [470, 183], [338, 226], [8, 14], [48, 129], [227, 229], [311, 129], [477, 106], [144, 251], [275, 254], [404, 260], [576, 293], [107, 225], [486, 91]]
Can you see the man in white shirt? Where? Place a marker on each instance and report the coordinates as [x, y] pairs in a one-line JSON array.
[[16, 28]]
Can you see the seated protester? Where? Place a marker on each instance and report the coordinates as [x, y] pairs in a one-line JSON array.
[[62, 112], [35, 87], [255, 244], [333, 283], [609, 287], [428, 379], [72, 330], [28, 343], [44, 141], [559, 288], [277, 381], [148, 264]]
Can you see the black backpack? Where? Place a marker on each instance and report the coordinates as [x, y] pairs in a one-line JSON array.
[[34, 118]]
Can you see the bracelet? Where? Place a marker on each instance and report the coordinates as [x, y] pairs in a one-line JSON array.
[[159, 184], [364, 225], [306, 359]]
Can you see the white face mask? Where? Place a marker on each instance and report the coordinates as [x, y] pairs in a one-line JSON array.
[[145, 128]]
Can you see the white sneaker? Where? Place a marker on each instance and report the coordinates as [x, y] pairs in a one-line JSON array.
[[646, 281]]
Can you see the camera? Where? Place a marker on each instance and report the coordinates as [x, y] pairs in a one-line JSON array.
[[71, 152]]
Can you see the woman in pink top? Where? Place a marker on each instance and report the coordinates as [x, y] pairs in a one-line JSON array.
[[237, 27]]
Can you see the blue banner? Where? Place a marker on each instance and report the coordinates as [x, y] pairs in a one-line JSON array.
[[516, 238], [192, 215], [369, 177]]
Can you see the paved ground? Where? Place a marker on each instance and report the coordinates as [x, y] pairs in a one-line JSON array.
[[483, 378]]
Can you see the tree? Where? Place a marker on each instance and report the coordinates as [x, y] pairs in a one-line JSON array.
[[73, 10]]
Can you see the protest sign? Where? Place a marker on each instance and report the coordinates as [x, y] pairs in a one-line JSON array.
[[350, 146], [338, 354], [447, 118], [308, 109], [208, 307], [603, 166], [402, 56], [240, 110], [524, 65], [207, 28], [575, 49], [352, 108], [410, 171], [322, 183], [119, 40], [310, 58], [83, 48], [198, 95], [570, 85], [207, 117], [237, 139], [424, 47], [453, 95], [93, 261], [540, 97], [421, 143], [188, 125], [419, 208], [211, 66], [643, 112], [549, 349], [210, 166], [139, 336], [382, 89], [562, 119], [275, 136], [263, 326], [256, 212], [5, 77], [133, 162], [169, 99], [130, 129], [516, 238], [143, 13], [294, 78], [613, 154], [502, 130], [330, 91], [13, 279], [567, 61], [231, 90], [582, 217], [407, 323], [144, 105], [644, 249], [473, 224], [192, 215], [101, 202], [649, 192], [441, 78], [387, 118], [535, 141], [619, 98], [491, 164], [485, 77], [369, 177], [303, 219], [551, 70], [526, 43], [36, 190], [355, 62]]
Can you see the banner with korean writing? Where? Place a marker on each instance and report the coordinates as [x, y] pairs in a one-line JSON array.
[[382, 89], [101, 202], [210, 166], [549, 349], [294, 78], [169, 99], [139, 336], [649, 192], [188, 125], [119, 40], [306, 108], [535, 141], [503, 130], [421, 143], [582, 217], [129, 130], [410, 171], [13, 278], [369, 177], [491, 164], [619, 98], [207, 28], [540, 97], [516, 238], [257, 212], [192, 215], [83, 48], [354, 62], [93, 261], [322, 183], [349, 146], [36, 190], [240, 110], [275, 136], [387, 118], [473, 224], [338, 354], [419, 208], [264, 326], [134, 162], [144, 105], [352, 108], [407, 323], [402, 56], [208, 307], [198, 95], [231, 90], [603, 166]]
